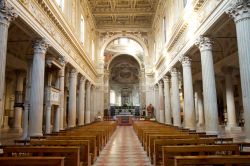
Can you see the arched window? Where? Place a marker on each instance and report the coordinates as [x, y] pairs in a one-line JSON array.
[[82, 29]]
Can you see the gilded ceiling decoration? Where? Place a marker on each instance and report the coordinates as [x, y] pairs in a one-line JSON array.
[[123, 13]]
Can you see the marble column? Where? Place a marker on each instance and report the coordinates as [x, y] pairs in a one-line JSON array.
[[72, 98], [201, 120], [88, 96], [231, 114], [7, 14], [175, 99], [37, 88], [161, 103], [61, 87], [240, 11], [189, 111], [48, 119], [209, 87], [48, 106], [167, 100], [19, 101], [156, 102], [25, 117], [81, 100]]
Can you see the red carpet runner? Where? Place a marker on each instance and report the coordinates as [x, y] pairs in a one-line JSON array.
[[123, 149]]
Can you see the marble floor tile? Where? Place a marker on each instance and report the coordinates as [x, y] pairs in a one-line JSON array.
[[123, 149]]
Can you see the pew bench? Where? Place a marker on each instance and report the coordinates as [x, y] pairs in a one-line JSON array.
[[169, 152], [156, 152], [85, 156], [71, 153], [32, 161], [212, 160]]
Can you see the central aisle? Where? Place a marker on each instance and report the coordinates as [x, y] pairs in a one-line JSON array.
[[123, 149]]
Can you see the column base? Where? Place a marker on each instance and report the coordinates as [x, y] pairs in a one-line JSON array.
[[18, 129], [6, 123], [35, 134], [233, 128], [212, 132]]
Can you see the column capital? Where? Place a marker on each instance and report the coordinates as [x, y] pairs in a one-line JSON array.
[[185, 61], [204, 43], [7, 13], [239, 10], [82, 80], [88, 85], [73, 73], [174, 72], [40, 46], [160, 83], [62, 61], [166, 79]]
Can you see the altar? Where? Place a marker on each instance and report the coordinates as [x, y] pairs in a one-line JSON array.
[[124, 120]]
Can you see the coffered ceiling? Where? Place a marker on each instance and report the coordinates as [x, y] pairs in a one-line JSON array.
[[123, 13]]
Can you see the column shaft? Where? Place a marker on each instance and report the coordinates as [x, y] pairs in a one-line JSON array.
[[201, 121], [167, 100], [81, 100], [48, 119], [72, 98], [175, 104], [209, 86], [189, 112], [240, 11], [61, 86], [7, 14], [37, 89], [88, 95], [161, 103]]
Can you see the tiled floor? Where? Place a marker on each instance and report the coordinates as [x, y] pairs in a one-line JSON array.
[[123, 149]]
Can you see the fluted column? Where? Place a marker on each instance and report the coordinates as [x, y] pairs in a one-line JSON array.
[[81, 101], [209, 86], [161, 103], [7, 14], [25, 117], [201, 121], [175, 99], [156, 102], [189, 112], [240, 11], [19, 101], [37, 88], [61, 75], [48, 119], [88, 95], [167, 100], [72, 98], [231, 114]]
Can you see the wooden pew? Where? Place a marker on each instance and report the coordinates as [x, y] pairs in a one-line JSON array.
[[91, 139], [212, 160], [32, 161], [156, 153], [150, 142], [71, 153], [85, 156], [188, 150]]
